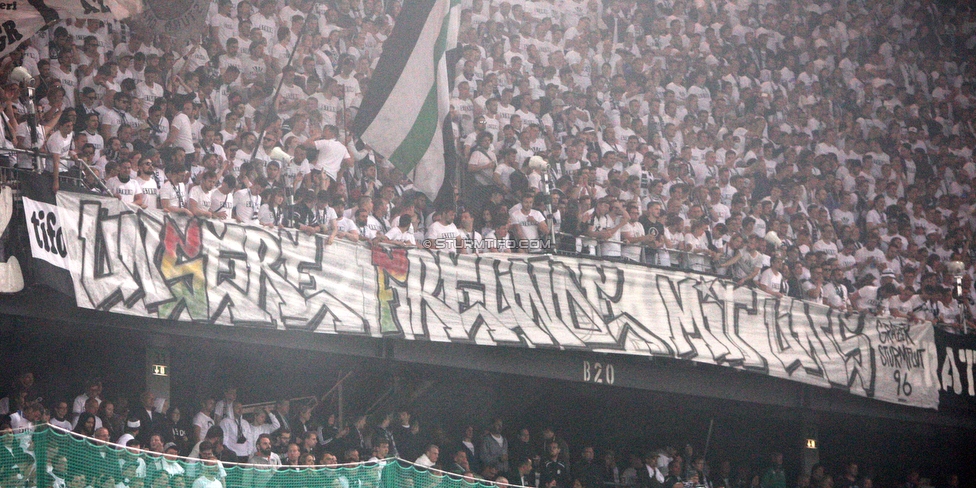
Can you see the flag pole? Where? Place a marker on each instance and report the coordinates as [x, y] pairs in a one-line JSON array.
[[708, 439], [277, 92], [345, 116]]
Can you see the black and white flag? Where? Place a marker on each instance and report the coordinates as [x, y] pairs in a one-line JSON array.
[[408, 98]]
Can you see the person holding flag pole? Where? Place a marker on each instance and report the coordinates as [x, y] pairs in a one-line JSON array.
[[277, 92]]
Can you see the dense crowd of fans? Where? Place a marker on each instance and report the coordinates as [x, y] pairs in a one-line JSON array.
[[821, 150], [158, 445]]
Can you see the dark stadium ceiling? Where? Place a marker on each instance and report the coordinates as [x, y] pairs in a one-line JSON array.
[[618, 371]]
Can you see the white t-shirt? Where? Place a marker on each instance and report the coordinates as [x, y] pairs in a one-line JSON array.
[[203, 198], [772, 280], [835, 295], [204, 482], [267, 25], [174, 194], [867, 298], [246, 206], [68, 81], [125, 191], [829, 248], [222, 202], [204, 422], [396, 235], [611, 246], [293, 171], [846, 261], [632, 251], [906, 307], [147, 95], [843, 217], [150, 191], [504, 173], [110, 118], [530, 230], [346, 225], [697, 262], [270, 216], [23, 131], [367, 231], [326, 217], [862, 255], [473, 241], [95, 140], [58, 144], [184, 139], [79, 405], [445, 235], [331, 155]]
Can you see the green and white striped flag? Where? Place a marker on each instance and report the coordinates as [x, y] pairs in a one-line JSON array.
[[408, 98]]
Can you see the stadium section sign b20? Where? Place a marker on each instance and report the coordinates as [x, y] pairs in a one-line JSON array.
[[144, 264]]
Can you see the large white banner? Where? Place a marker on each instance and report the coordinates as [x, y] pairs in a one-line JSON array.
[[21, 19], [143, 264], [181, 19]]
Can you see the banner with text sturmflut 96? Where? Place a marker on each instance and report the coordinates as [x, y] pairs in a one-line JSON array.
[[129, 261]]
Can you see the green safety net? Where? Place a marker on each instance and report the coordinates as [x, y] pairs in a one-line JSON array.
[[48, 458]]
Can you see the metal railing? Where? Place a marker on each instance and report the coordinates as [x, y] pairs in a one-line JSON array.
[[71, 179], [255, 407], [656, 257]]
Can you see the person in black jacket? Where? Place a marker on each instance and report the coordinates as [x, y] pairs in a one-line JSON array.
[[11, 454], [302, 217], [648, 476], [471, 448], [674, 474], [149, 419], [383, 431], [172, 429], [521, 447], [523, 474], [554, 473], [357, 436], [586, 470], [407, 437], [459, 464]]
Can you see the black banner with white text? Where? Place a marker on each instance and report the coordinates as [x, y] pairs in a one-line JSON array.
[[957, 355]]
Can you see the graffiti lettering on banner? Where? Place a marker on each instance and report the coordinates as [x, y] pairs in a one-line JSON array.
[[957, 360], [957, 371], [146, 264]]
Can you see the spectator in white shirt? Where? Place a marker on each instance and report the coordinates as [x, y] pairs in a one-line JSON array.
[[771, 280], [200, 197], [429, 457], [240, 435], [92, 390], [443, 233], [401, 234]]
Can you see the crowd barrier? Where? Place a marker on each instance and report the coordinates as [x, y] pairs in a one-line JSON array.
[[48, 457]]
